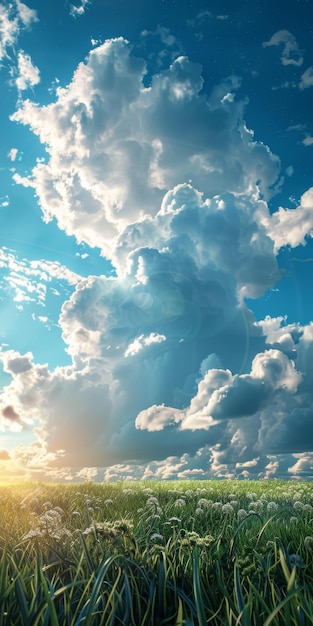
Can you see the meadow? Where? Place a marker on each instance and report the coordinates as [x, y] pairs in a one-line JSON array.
[[185, 553]]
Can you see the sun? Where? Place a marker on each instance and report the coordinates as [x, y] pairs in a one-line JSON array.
[[10, 473]]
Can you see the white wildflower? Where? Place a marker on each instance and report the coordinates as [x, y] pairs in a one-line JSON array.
[[205, 503], [36, 532], [227, 509], [199, 512], [59, 510], [298, 505], [47, 505], [217, 506], [152, 501], [179, 503], [272, 507], [308, 542], [242, 513], [297, 495], [156, 536], [257, 506], [189, 493], [252, 496]]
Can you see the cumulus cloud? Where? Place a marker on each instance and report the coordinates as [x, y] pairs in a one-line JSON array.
[[116, 146], [29, 74], [222, 395], [171, 374], [303, 467], [292, 227], [291, 54]]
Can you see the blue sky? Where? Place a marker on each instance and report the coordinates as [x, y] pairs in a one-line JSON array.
[[156, 220]]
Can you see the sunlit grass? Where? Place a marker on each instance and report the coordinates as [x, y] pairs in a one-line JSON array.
[[181, 553]]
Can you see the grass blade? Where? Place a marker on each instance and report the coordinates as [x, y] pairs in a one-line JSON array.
[[197, 589]]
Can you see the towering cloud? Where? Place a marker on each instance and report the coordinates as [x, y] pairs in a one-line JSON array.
[[170, 369]]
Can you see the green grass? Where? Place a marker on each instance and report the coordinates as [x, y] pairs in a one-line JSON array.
[[149, 554]]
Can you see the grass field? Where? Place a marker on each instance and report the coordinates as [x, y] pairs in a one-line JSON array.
[[140, 554]]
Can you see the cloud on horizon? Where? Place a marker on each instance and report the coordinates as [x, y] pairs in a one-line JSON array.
[[171, 373]]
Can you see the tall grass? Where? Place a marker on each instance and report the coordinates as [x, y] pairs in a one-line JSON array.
[[180, 553]]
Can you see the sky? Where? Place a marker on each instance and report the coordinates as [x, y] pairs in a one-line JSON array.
[[156, 240]]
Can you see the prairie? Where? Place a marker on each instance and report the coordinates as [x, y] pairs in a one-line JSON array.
[[186, 553]]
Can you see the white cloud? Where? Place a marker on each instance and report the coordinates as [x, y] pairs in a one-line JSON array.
[[4, 201], [27, 281], [29, 74], [307, 78], [222, 395], [13, 17], [167, 181], [308, 140], [303, 467], [13, 154], [9, 30], [140, 342], [291, 227], [78, 10], [145, 139], [26, 15], [250, 419], [291, 54]]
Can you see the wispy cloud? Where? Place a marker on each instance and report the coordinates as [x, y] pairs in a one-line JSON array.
[[13, 154], [307, 78], [291, 53], [76, 10], [13, 18], [27, 281], [25, 14], [28, 74]]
